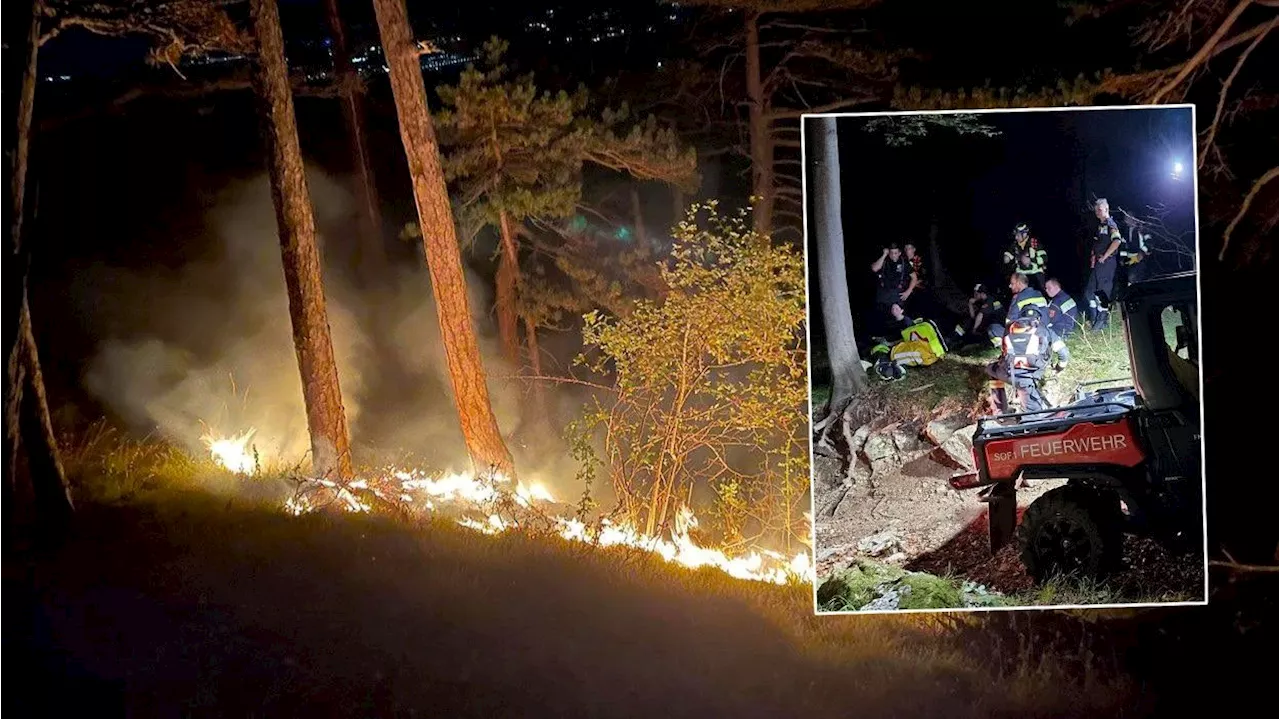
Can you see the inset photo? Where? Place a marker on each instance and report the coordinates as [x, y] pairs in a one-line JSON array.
[[1004, 336]]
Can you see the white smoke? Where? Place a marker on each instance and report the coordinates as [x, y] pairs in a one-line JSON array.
[[215, 352]]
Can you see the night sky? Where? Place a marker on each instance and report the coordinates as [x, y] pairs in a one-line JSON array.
[[1044, 169]]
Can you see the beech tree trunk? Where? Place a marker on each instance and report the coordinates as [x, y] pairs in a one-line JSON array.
[[440, 242], [847, 376], [506, 292], [762, 180], [373, 251], [326, 419]]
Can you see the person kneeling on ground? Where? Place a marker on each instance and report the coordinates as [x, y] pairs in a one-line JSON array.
[[1063, 312], [1024, 297], [1030, 349], [983, 310]]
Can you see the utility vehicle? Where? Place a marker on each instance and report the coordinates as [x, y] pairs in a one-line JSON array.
[[1129, 449]]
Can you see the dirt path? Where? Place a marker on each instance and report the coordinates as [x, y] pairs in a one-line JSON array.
[[914, 504], [942, 531]]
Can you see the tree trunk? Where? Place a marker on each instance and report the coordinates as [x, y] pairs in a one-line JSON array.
[[44, 461], [326, 419], [944, 287], [373, 251], [847, 376], [540, 409], [440, 242], [506, 300], [637, 213], [677, 204], [19, 94], [762, 183]]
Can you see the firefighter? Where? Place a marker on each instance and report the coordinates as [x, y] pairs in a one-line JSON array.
[[919, 296], [1133, 255], [983, 310], [1026, 255], [1062, 309], [1098, 291], [895, 281], [1029, 350], [1024, 297]]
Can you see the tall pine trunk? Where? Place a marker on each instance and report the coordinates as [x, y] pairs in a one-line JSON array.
[[373, 251], [27, 422], [326, 420], [44, 460], [506, 293], [847, 376], [22, 36], [762, 180], [440, 242]]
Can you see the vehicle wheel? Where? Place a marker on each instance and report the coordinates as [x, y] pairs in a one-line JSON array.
[[1073, 531]]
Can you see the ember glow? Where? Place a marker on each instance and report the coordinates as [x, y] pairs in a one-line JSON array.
[[477, 502]]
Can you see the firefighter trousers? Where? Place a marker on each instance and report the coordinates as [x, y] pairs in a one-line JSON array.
[[1098, 291]]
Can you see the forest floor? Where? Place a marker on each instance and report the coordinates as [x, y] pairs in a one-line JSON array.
[[171, 600], [901, 514]]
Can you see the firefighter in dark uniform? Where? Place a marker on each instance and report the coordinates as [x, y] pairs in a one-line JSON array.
[[1100, 289], [895, 282], [1133, 256], [983, 311], [1024, 297], [920, 295], [1029, 350], [1026, 255], [1062, 309]]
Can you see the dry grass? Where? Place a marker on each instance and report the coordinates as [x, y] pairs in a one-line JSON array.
[[155, 499]]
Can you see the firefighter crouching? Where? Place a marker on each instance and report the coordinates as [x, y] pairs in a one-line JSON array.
[[1030, 349], [1024, 297], [984, 310], [1063, 312]]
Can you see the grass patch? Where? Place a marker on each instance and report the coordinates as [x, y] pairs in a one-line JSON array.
[[1101, 355], [1068, 590], [872, 585]]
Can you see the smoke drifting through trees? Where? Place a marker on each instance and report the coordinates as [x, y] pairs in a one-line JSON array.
[[217, 350]]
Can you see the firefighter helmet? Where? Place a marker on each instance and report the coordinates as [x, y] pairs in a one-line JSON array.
[[1030, 313], [1021, 229]]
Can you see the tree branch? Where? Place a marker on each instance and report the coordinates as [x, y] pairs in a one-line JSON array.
[[1244, 208], [1212, 132], [829, 107], [1204, 53]]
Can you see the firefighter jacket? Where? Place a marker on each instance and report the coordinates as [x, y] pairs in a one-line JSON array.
[[1029, 297], [1108, 232], [1030, 349], [1062, 314], [916, 265], [1039, 259], [1133, 250]]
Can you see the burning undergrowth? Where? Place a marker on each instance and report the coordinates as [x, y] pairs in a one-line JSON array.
[[212, 369], [215, 356]]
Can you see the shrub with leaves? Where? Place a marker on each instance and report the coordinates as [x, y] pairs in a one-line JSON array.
[[709, 392]]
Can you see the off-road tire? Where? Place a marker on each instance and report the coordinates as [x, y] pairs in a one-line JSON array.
[[1088, 520]]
